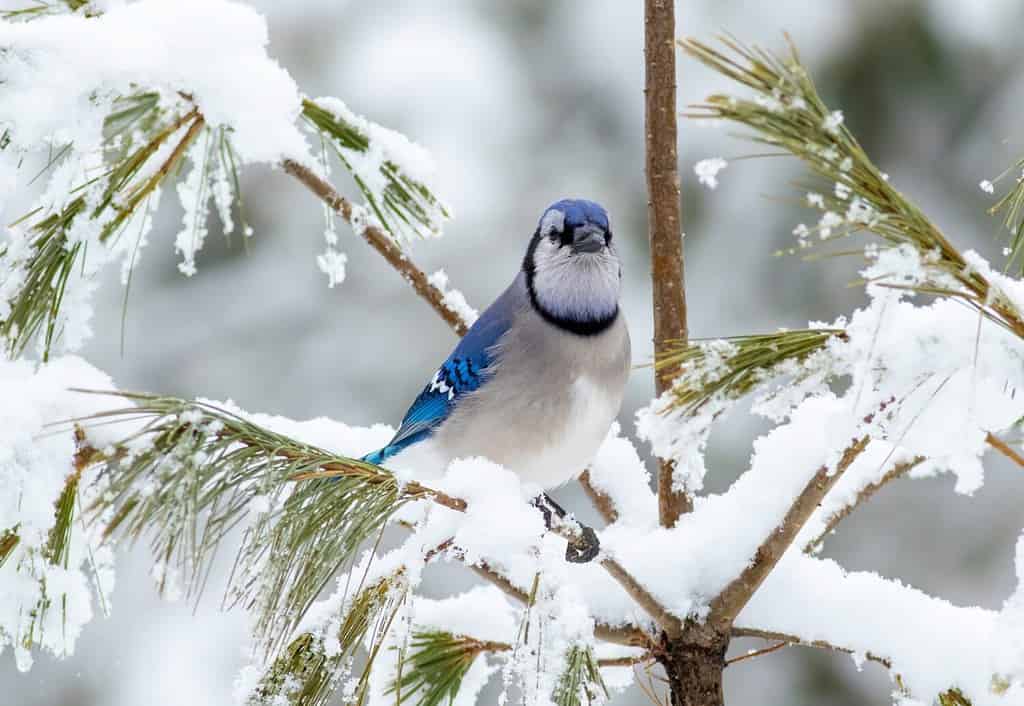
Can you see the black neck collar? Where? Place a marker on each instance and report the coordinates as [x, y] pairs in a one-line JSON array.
[[571, 324]]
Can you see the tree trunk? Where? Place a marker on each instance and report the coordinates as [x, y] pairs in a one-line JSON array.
[[693, 664]]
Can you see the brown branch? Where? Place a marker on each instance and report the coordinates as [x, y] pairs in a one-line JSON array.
[[380, 241], [624, 661], [1004, 448], [796, 641], [600, 500], [664, 213], [897, 471], [672, 625], [735, 596], [758, 653]]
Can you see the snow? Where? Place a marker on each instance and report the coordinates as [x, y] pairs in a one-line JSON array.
[[386, 147], [35, 460], [618, 472], [453, 300], [195, 201], [931, 643], [332, 263], [832, 122], [62, 70], [707, 171]]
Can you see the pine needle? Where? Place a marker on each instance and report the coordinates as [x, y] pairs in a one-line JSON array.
[[432, 673], [307, 673], [405, 206], [787, 113], [192, 472], [1011, 204], [580, 681], [9, 540], [35, 307], [730, 368]]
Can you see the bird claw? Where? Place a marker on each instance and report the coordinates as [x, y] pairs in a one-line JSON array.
[[584, 548]]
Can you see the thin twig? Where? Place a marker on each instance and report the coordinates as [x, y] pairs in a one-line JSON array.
[[758, 653], [1004, 448], [601, 501], [735, 596], [796, 641], [380, 241], [625, 661], [897, 471], [664, 213]]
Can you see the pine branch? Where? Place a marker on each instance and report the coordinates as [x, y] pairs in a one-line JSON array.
[[380, 242], [664, 216], [726, 369], [192, 472], [433, 671], [734, 597], [865, 494], [788, 114], [404, 205], [951, 697], [35, 307], [757, 653], [796, 641]]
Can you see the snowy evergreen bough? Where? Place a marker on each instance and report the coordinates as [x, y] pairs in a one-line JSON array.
[[921, 381]]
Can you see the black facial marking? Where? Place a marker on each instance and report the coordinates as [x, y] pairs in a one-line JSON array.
[[578, 326]]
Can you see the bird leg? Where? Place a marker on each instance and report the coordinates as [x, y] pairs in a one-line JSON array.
[[581, 549]]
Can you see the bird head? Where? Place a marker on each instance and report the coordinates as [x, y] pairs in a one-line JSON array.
[[572, 269]]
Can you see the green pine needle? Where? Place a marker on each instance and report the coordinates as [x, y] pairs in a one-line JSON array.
[[189, 475], [1011, 204], [9, 540], [787, 113], [729, 368], [432, 673], [406, 206], [953, 697], [35, 308], [581, 680], [305, 675]]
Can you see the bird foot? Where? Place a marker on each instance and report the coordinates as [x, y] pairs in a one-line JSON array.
[[584, 548]]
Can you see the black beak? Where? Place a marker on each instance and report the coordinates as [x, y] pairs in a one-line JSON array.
[[587, 240]]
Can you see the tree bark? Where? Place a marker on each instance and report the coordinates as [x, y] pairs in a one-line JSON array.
[[664, 215], [693, 664]]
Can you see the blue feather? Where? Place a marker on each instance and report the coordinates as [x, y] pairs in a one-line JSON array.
[[466, 369]]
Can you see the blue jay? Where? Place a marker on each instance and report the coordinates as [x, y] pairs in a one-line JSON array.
[[536, 382]]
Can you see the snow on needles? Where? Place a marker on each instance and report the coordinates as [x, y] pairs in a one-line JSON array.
[[35, 461], [61, 69]]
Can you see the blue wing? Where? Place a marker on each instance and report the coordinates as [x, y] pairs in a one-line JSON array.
[[466, 369]]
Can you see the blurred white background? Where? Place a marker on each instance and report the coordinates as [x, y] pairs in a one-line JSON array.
[[522, 103]]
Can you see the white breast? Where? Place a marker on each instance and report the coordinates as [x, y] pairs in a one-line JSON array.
[[590, 412]]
